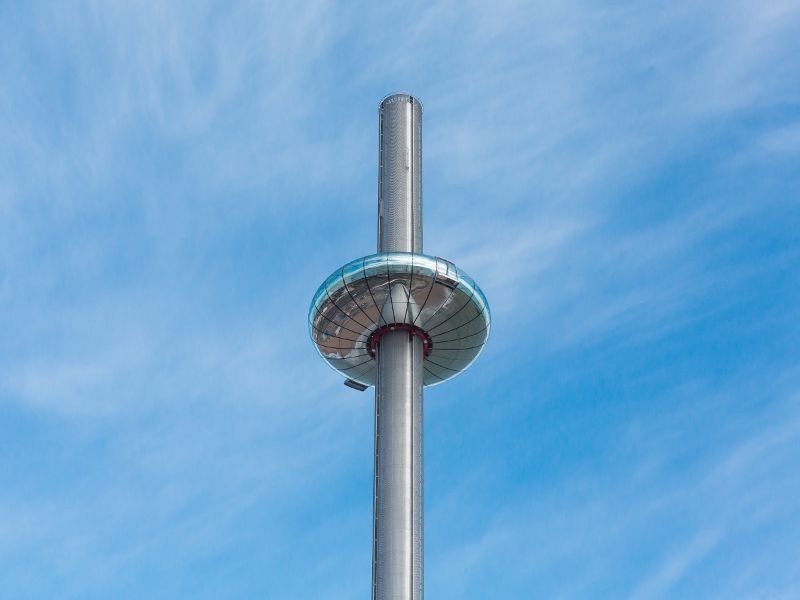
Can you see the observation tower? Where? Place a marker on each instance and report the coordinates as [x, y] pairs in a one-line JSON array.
[[399, 320]]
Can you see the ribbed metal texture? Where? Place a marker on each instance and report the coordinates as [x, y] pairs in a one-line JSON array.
[[400, 175], [397, 569], [397, 552]]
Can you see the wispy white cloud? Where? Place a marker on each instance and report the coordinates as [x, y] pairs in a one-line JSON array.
[[178, 176], [660, 501], [675, 567]]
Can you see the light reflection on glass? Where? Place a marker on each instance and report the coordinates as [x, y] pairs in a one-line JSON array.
[[436, 296]]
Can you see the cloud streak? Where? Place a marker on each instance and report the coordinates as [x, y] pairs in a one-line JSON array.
[[176, 180]]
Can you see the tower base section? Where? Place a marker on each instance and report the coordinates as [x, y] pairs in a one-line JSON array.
[[397, 572]]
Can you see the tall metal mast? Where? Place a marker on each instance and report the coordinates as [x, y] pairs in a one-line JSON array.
[[399, 320], [397, 541]]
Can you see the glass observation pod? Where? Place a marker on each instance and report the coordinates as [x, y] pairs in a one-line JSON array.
[[427, 296]]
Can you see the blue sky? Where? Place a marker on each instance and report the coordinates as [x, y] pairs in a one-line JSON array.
[[620, 178]]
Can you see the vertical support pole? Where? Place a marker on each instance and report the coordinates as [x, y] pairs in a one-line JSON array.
[[397, 556], [400, 175]]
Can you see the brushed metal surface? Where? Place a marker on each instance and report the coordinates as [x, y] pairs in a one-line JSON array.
[[398, 539], [400, 174], [399, 320]]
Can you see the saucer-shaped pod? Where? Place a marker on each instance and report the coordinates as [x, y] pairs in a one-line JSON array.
[[425, 295]]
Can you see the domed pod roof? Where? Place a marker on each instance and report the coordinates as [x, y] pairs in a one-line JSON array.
[[427, 296]]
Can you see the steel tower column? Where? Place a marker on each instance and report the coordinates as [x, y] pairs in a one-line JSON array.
[[366, 323], [397, 557]]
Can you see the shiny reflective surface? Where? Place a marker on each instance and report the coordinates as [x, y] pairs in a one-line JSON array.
[[400, 175], [427, 292], [397, 542]]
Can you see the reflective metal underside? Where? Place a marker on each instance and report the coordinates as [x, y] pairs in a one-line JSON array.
[[439, 298]]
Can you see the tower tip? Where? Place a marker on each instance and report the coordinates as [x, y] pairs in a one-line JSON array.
[[398, 97]]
